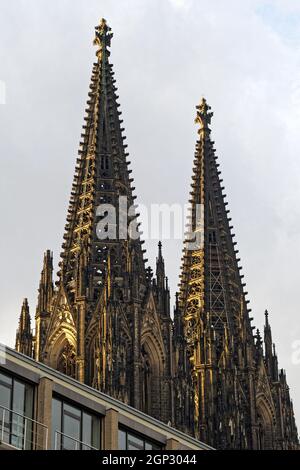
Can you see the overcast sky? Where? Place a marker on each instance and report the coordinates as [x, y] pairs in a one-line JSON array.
[[243, 56]]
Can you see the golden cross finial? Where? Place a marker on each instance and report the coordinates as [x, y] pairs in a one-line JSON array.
[[103, 36], [203, 115]]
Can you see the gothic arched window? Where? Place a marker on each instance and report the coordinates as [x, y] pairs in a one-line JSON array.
[[66, 362]]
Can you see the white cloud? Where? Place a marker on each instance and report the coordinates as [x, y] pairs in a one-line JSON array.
[[180, 3]]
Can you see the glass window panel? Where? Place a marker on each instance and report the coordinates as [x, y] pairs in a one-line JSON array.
[[156, 447], [28, 408], [28, 411], [129, 441], [86, 430], [18, 422], [134, 442], [19, 397], [5, 396], [71, 427], [5, 401], [5, 379], [17, 430], [77, 429], [148, 445], [56, 424], [96, 432], [72, 411], [122, 440]]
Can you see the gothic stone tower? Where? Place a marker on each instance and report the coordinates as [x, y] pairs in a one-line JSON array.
[[24, 334], [107, 322], [226, 390]]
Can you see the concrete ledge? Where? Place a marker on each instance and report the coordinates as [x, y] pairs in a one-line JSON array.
[[5, 446]]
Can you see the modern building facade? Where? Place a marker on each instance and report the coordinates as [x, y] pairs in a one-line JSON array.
[[107, 322], [41, 409]]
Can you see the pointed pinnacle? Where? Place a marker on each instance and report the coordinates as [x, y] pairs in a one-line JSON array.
[[203, 115], [266, 316], [159, 250], [258, 337], [48, 258], [103, 36], [24, 310]]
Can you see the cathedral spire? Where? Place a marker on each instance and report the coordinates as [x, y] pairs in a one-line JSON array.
[[209, 226], [90, 325], [24, 333], [102, 190], [211, 293]]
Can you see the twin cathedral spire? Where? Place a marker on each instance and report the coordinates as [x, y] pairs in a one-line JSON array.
[[107, 320]]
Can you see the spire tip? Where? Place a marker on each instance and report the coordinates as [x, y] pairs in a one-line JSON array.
[[204, 115], [266, 317], [103, 36]]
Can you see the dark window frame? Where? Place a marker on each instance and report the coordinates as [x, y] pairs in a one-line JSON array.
[[82, 410], [146, 440], [17, 378]]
